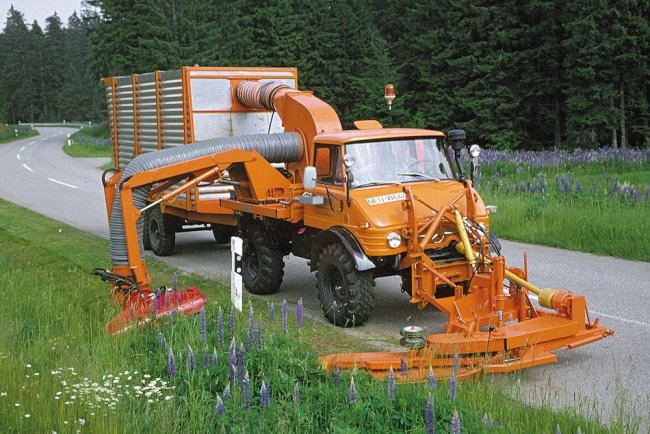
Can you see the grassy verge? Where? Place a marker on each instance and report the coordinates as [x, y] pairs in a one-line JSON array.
[[61, 372], [7, 134], [90, 142], [599, 206]]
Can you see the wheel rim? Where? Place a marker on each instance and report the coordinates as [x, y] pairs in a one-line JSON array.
[[334, 288], [154, 232]]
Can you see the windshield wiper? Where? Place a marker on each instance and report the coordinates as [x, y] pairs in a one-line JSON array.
[[421, 175], [366, 184]]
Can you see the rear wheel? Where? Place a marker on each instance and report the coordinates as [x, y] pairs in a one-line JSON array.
[[162, 235], [346, 295], [146, 240], [262, 265]]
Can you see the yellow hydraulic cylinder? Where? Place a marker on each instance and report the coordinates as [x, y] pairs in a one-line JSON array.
[[467, 247]]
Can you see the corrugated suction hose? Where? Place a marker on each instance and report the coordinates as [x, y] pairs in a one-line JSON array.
[[258, 95], [276, 148]]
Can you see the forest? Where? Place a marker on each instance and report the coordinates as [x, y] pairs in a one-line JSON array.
[[515, 75]]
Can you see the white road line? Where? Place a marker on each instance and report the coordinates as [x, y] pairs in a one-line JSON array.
[[31, 143], [27, 167], [62, 183], [619, 318], [22, 149], [18, 156]]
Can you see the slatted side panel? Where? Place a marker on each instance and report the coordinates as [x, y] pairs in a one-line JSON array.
[[147, 117], [125, 131], [171, 108], [110, 107]]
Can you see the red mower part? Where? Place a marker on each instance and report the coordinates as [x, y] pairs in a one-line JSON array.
[[144, 306]]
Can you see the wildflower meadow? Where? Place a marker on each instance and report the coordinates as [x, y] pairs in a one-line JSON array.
[[595, 200]]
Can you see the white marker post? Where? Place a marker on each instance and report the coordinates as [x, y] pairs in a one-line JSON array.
[[236, 250]]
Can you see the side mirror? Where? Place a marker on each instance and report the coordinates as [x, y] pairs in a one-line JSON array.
[[456, 139], [309, 178]]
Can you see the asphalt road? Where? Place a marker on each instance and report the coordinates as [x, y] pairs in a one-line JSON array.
[[35, 173]]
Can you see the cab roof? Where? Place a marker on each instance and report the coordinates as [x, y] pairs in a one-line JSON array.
[[351, 136]]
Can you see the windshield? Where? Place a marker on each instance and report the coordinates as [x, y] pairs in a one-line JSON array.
[[398, 161]]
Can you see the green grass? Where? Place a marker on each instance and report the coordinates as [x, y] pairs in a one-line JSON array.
[[89, 143], [53, 343], [7, 134], [593, 219]]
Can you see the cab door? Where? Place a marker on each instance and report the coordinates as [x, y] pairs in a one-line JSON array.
[[330, 176]]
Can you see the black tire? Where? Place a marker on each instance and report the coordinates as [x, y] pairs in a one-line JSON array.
[[262, 265], [222, 234], [162, 235], [146, 239], [347, 296]]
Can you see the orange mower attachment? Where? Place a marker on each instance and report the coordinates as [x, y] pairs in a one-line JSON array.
[[143, 305], [493, 325]]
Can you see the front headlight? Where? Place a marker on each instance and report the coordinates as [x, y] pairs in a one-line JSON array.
[[394, 240]]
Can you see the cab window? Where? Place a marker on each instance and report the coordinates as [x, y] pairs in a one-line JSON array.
[[328, 165]]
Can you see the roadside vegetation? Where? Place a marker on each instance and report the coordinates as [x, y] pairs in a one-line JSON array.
[[90, 142], [61, 372], [9, 133], [588, 200]]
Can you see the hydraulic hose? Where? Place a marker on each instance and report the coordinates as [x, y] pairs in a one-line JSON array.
[[276, 148]]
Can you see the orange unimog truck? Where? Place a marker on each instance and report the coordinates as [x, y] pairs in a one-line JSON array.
[[359, 205]]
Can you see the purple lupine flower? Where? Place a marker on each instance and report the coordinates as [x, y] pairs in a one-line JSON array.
[[191, 359], [454, 368], [455, 423], [220, 339], [300, 314], [352, 392], [391, 385], [557, 430], [220, 408], [171, 316], [171, 364], [226, 392], [246, 392], [487, 421], [250, 336], [432, 378], [403, 368], [215, 358], [174, 283], [336, 376], [354, 370], [260, 335], [429, 419], [283, 315], [265, 394], [206, 358], [232, 360], [203, 325], [231, 322], [296, 394], [241, 362], [452, 386], [272, 313], [156, 303], [163, 342]]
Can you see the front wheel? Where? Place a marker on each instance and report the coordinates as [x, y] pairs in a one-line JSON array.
[[262, 265], [346, 295]]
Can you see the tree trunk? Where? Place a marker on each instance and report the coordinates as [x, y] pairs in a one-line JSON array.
[[614, 141], [623, 132], [557, 127]]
